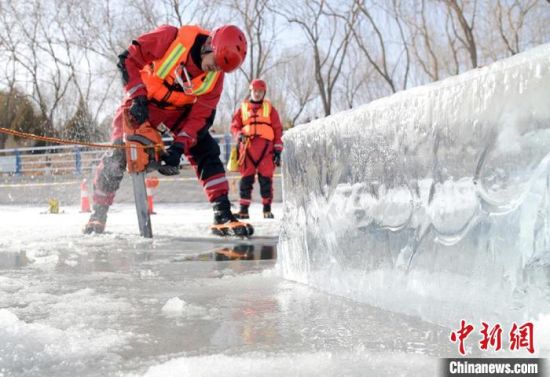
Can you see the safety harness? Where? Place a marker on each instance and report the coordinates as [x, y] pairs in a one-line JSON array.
[[167, 81]]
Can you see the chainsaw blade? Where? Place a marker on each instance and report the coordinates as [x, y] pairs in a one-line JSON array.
[[140, 198]]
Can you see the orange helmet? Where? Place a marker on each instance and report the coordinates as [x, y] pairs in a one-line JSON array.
[[258, 85], [229, 45]]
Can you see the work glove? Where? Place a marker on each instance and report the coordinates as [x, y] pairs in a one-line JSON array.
[[171, 160], [277, 158], [138, 110]]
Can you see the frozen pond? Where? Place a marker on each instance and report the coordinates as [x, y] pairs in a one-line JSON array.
[[181, 304]]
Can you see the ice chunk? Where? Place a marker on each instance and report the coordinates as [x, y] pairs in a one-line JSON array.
[[434, 201], [173, 307]]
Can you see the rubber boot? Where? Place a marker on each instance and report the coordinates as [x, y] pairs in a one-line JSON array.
[[243, 213], [97, 221], [225, 223], [267, 212]]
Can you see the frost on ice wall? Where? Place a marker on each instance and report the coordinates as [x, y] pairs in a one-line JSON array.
[[433, 201]]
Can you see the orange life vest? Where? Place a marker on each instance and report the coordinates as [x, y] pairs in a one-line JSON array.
[[257, 123], [161, 78]]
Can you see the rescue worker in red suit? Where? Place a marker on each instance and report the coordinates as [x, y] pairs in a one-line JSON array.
[[175, 76], [257, 128]]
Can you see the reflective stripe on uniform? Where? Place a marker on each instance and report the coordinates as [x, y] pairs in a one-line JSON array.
[[184, 134], [266, 107], [170, 61], [244, 111], [215, 182], [135, 89], [209, 81], [99, 192]]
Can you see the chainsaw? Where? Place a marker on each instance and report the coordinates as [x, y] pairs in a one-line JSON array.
[[144, 148]]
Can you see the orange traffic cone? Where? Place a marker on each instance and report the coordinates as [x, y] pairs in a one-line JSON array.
[[151, 183], [84, 197]]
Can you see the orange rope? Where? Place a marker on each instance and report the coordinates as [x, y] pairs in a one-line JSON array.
[[64, 141]]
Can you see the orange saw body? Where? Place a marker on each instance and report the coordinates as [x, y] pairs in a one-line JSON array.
[[143, 145], [143, 149]]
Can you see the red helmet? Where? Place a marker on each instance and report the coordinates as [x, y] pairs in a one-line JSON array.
[[258, 85], [229, 45]]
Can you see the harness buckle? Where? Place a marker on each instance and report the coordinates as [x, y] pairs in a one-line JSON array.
[[187, 85]]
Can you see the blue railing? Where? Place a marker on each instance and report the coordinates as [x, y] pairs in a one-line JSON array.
[[68, 159]]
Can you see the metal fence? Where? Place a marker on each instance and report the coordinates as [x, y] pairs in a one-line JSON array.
[[69, 159]]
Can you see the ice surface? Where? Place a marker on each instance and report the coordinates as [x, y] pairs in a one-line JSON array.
[[319, 364], [42, 236], [433, 202], [118, 305]]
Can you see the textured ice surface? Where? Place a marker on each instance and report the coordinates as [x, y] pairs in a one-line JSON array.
[[116, 305], [432, 202], [318, 364]]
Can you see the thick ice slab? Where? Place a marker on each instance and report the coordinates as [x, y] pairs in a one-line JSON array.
[[432, 202]]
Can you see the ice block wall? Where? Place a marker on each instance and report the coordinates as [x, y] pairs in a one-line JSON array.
[[433, 201]]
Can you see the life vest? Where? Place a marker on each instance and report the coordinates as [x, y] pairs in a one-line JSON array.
[[257, 123], [163, 77]]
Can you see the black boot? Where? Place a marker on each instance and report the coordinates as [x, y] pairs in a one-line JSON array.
[[243, 213], [97, 221], [267, 212], [225, 223]]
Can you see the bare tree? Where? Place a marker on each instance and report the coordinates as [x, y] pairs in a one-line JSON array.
[[93, 69], [152, 13], [41, 63], [423, 43], [258, 23], [328, 37], [378, 52], [355, 81], [466, 37], [57, 51], [292, 90], [511, 19]]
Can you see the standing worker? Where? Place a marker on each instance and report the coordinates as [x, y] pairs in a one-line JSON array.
[[258, 130], [175, 76]]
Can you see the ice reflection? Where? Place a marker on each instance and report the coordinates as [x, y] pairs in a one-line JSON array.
[[144, 308]]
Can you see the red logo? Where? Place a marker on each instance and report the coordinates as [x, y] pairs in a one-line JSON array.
[[522, 337], [491, 337], [461, 335]]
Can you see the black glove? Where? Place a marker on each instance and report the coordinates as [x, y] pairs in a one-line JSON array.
[[122, 66], [277, 158], [138, 110], [172, 160]]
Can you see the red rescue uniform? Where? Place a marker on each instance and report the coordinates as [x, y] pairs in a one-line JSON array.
[[261, 130], [154, 66]]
